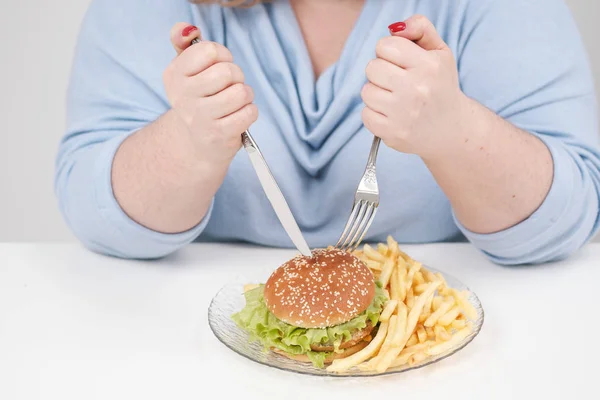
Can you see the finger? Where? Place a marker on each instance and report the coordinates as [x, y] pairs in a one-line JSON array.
[[239, 121], [376, 98], [182, 35], [215, 79], [201, 56], [229, 101], [420, 30], [384, 74], [401, 52], [375, 122]]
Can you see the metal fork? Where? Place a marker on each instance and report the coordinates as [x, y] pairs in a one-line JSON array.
[[366, 201]]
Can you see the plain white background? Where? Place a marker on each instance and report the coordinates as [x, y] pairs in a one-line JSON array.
[[37, 38]]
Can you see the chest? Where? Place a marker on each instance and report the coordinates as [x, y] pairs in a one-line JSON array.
[[325, 28]]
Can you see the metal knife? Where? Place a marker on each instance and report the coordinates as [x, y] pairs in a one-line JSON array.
[[273, 192]]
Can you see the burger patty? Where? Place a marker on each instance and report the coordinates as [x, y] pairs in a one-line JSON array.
[[356, 338]]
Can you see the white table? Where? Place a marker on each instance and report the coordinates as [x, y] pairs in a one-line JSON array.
[[75, 325]]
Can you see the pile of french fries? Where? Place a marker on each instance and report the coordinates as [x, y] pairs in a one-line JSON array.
[[422, 318]]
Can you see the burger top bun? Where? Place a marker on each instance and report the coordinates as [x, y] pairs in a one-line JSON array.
[[327, 289]]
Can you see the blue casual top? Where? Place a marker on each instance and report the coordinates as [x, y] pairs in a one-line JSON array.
[[522, 59]]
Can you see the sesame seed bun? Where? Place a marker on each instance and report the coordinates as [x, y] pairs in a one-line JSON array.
[[330, 358], [327, 289]]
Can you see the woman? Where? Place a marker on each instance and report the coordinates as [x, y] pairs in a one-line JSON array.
[[486, 109]]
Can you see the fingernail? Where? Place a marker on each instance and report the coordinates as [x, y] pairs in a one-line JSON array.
[[187, 31], [397, 27]]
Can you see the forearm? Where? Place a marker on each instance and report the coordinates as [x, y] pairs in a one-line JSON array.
[[160, 181], [494, 174]]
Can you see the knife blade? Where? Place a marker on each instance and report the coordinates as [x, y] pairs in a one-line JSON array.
[[274, 194], [272, 191]]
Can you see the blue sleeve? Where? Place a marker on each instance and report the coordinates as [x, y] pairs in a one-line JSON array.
[[525, 61], [115, 89]]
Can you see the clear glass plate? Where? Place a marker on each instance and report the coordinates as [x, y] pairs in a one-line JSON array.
[[230, 299]]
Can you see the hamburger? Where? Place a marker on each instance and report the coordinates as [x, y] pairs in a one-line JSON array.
[[315, 309]]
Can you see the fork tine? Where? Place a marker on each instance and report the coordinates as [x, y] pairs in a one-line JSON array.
[[371, 218], [360, 231], [361, 210], [348, 224]]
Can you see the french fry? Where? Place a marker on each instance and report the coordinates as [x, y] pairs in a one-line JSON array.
[[441, 335], [437, 314], [405, 256], [408, 352], [427, 309], [387, 359], [357, 358], [391, 329], [421, 334], [430, 332], [413, 340], [419, 303], [394, 289], [388, 310], [424, 315], [428, 275], [417, 358], [466, 307], [400, 360], [437, 302], [373, 254], [398, 342], [399, 339], [401, 268], [370, 364], [414, 267], [420, 287], [450, 316], [386, 271], [418, 278], [387, 293], [374, 265], [458, 324], [393, 247], [401, 263], [447, 345], [410, 298], [417, 348], [250, 286], [358, 253], [382, 249], [441, 278]]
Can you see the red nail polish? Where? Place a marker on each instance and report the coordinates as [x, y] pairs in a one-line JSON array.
[[397, 27], [187, 31]]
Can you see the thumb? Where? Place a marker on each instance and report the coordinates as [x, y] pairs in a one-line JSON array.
[[182, 35], [419, 30]]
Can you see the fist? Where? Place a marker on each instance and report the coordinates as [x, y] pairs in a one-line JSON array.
[[412, 95], [207, 91]]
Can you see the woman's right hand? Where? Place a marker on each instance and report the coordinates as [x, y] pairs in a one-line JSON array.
[[207, 92]]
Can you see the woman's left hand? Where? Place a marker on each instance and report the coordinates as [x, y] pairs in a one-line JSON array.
[[413, 98]]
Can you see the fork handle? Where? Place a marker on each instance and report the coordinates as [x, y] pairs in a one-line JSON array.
[[373, 153]]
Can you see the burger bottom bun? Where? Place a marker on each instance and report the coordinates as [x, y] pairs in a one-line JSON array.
[[329, 359]]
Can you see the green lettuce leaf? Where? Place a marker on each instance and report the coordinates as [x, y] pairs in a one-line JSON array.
[[263, 326]]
